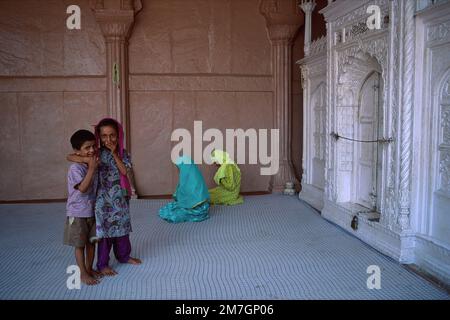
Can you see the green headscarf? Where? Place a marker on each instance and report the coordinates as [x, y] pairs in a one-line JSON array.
[[191, 189]]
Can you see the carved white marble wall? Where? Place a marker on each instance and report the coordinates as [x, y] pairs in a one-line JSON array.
[[317, 113], [408, 61], [313, 69], [354, 53], [431, 186]]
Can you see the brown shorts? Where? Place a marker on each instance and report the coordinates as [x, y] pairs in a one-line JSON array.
[[79, 231]]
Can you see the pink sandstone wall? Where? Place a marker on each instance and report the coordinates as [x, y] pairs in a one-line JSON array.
[[190, 60], [196, 60], [51, 83], [318, 25]]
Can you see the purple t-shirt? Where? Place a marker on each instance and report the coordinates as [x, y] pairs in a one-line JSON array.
[[80, 204]]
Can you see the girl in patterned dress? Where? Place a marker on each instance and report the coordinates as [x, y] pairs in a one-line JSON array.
[[112, 210]]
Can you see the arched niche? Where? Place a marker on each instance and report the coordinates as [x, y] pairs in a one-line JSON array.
[[359, 113]]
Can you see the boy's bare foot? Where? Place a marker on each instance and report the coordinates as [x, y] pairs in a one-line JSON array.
[[108, 272], [134, 261], [88, 279]]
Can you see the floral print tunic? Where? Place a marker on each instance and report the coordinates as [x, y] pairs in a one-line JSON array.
[[112, 211]]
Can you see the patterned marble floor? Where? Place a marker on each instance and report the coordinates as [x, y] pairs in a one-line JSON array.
[[271, 247]]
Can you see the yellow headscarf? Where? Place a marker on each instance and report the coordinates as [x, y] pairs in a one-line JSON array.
[[222, 158]]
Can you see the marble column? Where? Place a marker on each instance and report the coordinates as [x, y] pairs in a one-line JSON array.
[[307, 7], [283, 20], [116, 19], [407, 94]]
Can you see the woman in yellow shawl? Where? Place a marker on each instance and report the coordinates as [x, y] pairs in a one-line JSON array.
[[228, 179]]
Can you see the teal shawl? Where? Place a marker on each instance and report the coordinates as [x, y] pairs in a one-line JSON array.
[[191, 189]]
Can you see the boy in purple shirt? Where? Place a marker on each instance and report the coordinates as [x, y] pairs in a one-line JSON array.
[[79, 231]]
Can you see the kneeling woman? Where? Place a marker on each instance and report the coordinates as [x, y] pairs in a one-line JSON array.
[[228, 179], [191, 196]]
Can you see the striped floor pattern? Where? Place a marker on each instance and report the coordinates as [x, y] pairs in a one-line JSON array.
[[271, 247]]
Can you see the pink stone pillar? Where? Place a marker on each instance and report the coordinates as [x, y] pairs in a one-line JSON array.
[[116, 19], [283, 19]]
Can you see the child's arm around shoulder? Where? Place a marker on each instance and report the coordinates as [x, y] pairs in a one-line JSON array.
[[76, 158], [84, 185]]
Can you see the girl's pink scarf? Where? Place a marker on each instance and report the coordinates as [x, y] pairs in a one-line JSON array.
[[124, 183]]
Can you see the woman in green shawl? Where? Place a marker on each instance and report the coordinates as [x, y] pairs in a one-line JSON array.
[[191, 196], [228, 179]]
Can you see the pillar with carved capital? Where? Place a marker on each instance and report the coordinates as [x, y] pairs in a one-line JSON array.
[[307, 6], [116, 19], [283, 19]]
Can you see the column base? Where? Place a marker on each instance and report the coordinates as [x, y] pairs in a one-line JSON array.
[[285, 174]]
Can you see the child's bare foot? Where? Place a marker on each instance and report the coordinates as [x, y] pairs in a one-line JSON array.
[[95, 274], [108, 272], [88, 279], [134, 261]]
